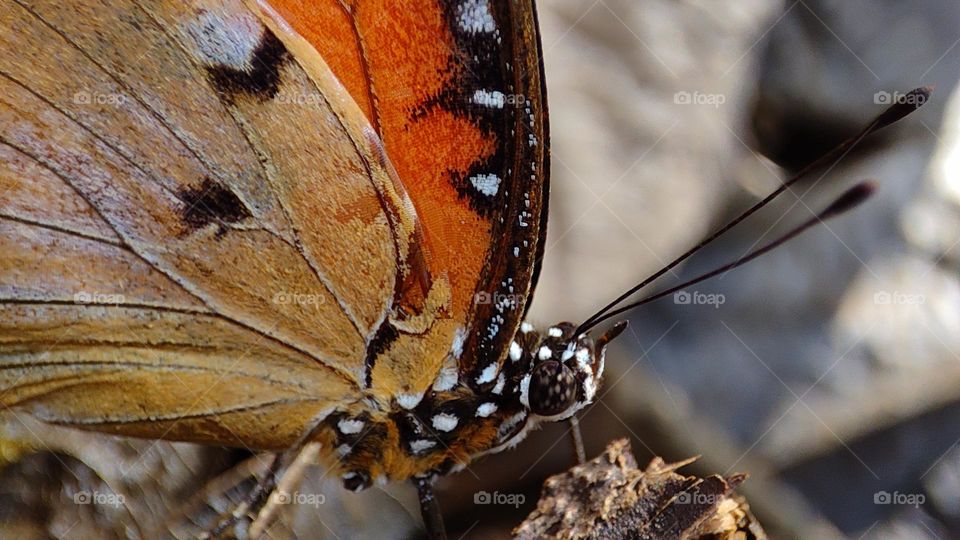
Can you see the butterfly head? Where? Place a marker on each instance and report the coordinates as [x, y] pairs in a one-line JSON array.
[[555, 373]]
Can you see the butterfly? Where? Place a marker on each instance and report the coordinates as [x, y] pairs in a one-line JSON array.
[[263, 224], [255, 224]]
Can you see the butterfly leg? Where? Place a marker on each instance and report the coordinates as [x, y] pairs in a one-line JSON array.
[[253, 501], [576, 437], [430, 508], [287, 484]]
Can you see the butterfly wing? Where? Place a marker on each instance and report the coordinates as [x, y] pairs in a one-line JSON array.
[[456, 91], [202, 238]]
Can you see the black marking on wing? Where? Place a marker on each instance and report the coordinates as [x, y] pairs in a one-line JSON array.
[[211, 203], [261, 80], [479, 203], [479, 63], [381, 341], [506, 60]]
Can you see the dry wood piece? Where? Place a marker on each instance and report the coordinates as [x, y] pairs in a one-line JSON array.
[[610, 497]]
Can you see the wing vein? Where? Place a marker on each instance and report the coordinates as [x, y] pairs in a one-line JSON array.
[[166, 366], [365, 65], [212, 171], [181, 417], [174, 278], [261, 158], [64, 230]]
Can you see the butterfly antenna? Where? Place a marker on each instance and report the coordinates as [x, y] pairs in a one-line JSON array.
[[907, 104], [846, 202]]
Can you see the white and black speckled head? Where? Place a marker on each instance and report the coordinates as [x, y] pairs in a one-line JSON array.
[[549, 376]]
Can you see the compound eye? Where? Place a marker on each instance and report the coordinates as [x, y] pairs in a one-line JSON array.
[[553, 388]]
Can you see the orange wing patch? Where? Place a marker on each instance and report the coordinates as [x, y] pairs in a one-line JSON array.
[[392, 56], [441, 81]]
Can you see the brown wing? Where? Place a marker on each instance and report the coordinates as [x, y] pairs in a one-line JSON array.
[[201, 237]]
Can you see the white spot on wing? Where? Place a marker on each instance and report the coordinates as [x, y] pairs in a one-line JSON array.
[[409, 401], [525, 391], [526, 327], [501, 382], [421, 445], [488, 184], [349, 427], [444, 422], [229, 42], [553, 331], [474, 16], [493, 99], [486, 409], [446, 379], [515, 351], [488, 374], [544, 353], [459, 337]]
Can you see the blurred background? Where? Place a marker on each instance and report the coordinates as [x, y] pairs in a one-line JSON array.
[[829, 370]]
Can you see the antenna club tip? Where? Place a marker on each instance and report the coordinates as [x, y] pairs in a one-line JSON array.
[[852, 198], [611, 334], [919, 96], [903, 106]]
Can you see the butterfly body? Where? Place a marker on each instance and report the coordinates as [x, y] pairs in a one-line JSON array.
[[456, 422]]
